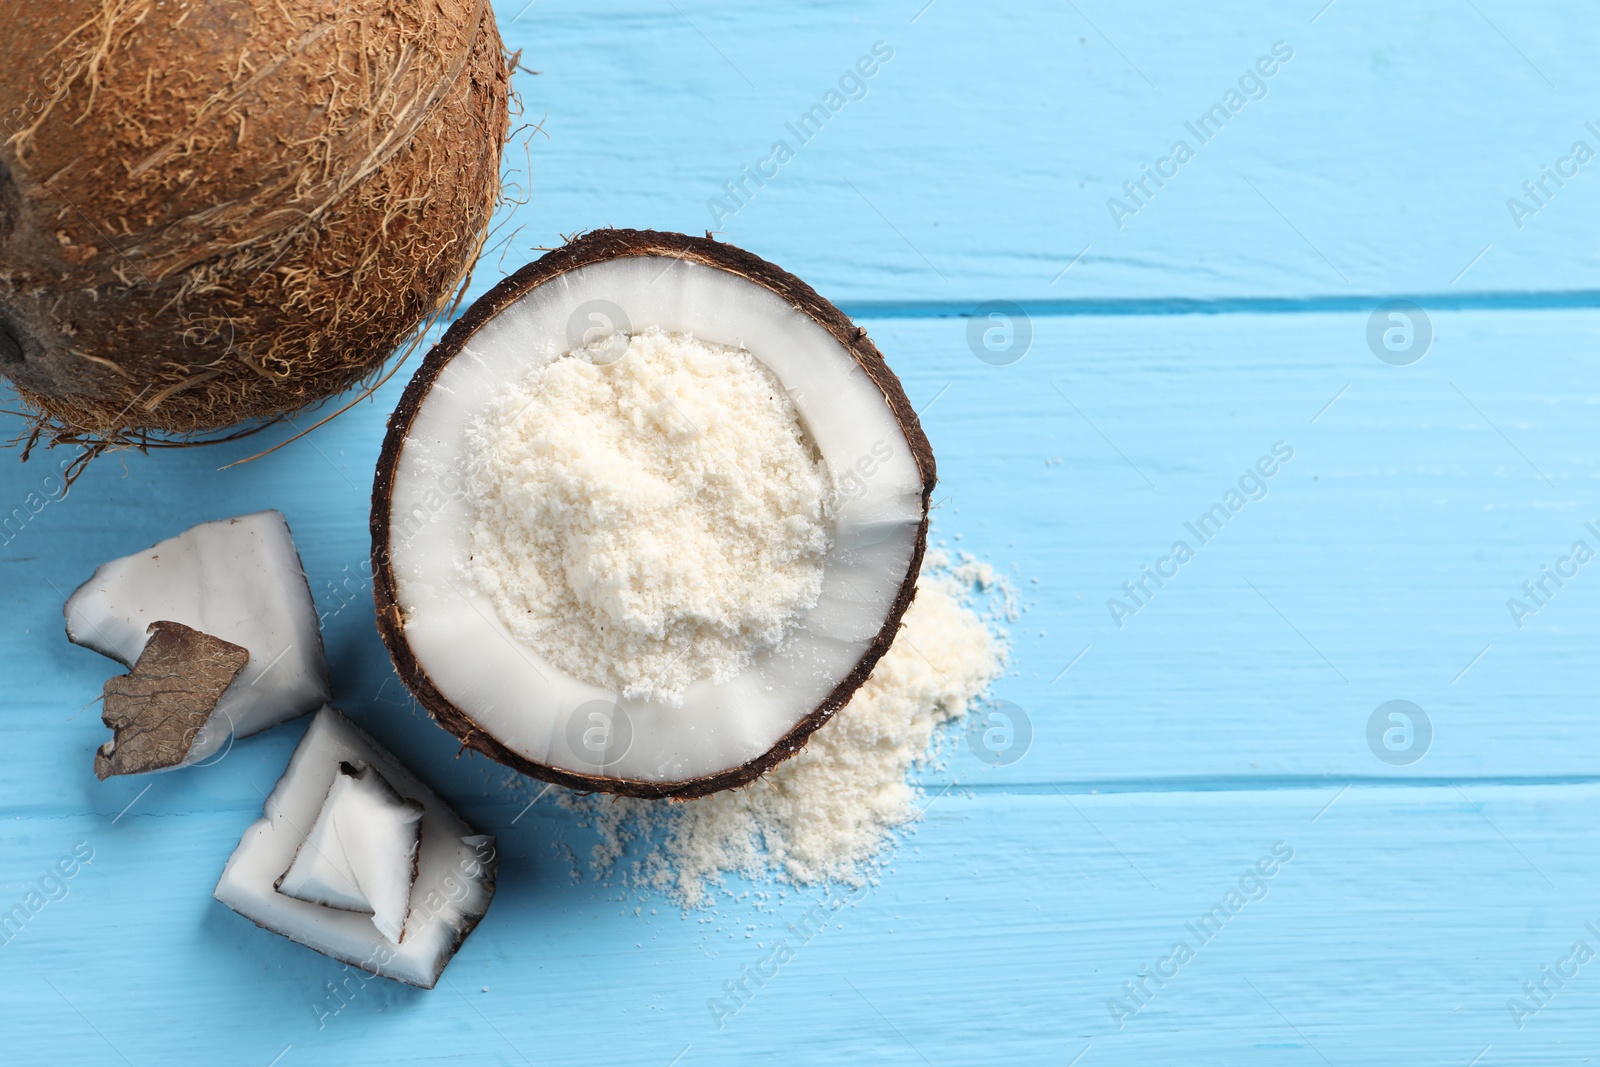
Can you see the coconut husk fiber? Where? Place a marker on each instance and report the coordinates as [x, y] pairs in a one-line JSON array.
[[220, 212]]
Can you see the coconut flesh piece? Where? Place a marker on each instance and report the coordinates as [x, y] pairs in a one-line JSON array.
[[361, 854], [238, 580], [454, 867], [498, 694]]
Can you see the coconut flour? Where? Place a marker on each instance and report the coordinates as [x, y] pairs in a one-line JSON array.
[[828, 812], [648, 520]]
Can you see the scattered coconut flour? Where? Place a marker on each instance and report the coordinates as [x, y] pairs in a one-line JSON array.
[[648, 520], [828, 813], [981, 576]]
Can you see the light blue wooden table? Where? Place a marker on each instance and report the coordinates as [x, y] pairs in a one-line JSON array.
[[1174, 339]]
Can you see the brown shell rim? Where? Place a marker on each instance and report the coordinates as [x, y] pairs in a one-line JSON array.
[[597, 247]]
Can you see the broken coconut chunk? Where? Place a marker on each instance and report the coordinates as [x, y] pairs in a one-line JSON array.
[[157, 712], [361, 854], [237, 580], [454, 869]]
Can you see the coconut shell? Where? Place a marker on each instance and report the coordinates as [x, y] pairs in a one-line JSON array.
[[218, 212], [156, 710], [597, 247]]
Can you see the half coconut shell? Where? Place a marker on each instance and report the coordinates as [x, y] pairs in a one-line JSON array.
[[568, 274]]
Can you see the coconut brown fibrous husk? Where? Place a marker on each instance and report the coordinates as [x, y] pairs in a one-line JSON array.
[[213, 213]]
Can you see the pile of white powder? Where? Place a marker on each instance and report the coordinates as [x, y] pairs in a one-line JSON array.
[[647, 521], [830, 811]]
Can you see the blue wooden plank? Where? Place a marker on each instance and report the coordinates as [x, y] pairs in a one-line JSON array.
[[1399, 928], [1377, 567], [1382, 562], [980, 160]]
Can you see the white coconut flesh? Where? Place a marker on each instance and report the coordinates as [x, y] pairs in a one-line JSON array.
[[237, 579], [455, 868], [520, 698], [361, 852]]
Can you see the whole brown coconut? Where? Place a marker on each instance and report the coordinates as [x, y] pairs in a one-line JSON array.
[[213, 212]]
